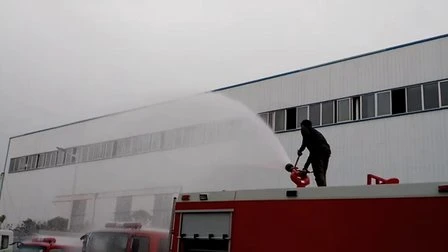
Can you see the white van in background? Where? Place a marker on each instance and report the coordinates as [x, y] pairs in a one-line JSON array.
[[6, 238]]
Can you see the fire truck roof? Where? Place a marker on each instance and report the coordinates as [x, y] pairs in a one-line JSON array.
[[145, 232], [315, 193]]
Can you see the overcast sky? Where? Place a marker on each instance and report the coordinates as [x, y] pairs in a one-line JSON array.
[[67, 60]]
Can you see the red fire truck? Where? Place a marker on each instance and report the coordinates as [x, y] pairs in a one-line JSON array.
[[47, 244], [126, 237], [385, 217]]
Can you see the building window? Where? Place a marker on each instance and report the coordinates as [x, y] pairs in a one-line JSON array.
[[188, 136], [109, 151], [156, 139], [68, 154], [291, 118], [61, 158], [140, 144], [74, 156], [114, 150], [47, 159], [368, 106], [123, 208], [123, 147], [431, 95], [13, 164], [53, 158], [356, 107], [271, 120], [279, 120], [12, 161], [315, 114], [31, 162], [267, 118], [414, 98], [344, 110], [327, 112], [27, 163], [41, 160], [444, 93], [264, 117], [179, 137], [145, 141], [398, 101], [16, 164], [383, 103], [302, 114], [169, 136], [71, 156], [22, 164], [96, 151], [83, 153]]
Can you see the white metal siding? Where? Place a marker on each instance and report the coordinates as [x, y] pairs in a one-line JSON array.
[[395, 68]]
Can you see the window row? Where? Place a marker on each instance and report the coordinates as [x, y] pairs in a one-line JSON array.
[[409, 99], [190, 136]]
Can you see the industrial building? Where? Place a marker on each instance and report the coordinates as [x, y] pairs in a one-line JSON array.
[[382, 112]]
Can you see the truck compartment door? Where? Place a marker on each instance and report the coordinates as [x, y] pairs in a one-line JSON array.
[[205, 231]]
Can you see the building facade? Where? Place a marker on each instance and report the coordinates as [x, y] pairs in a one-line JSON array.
[[383, 112]]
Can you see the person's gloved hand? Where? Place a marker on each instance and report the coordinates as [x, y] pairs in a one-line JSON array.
[[299, 153]]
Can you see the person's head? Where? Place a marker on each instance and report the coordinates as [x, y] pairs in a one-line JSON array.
[[306, 124], [289, 167]]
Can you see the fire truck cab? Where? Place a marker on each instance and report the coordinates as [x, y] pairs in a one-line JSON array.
[[380, 217], [47, 244], [127, 237]]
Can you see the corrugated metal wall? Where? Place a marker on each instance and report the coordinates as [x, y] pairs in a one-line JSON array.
[[395, 68]]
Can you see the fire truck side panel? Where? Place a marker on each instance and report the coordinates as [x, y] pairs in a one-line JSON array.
[[176, 232], [368, 225]]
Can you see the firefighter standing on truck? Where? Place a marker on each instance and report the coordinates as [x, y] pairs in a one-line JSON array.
[[319, 149]]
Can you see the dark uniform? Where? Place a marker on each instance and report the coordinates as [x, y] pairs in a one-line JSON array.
[[320, 153]]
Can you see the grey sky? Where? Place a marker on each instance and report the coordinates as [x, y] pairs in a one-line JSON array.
[[62, 61]]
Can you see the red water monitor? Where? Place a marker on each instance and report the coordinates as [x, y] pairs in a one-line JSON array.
[[300, 178]]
